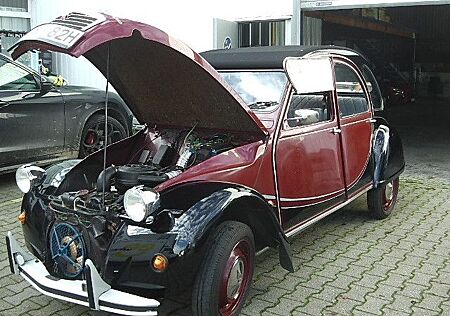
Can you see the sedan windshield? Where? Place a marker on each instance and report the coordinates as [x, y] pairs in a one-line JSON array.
[[261, 90]]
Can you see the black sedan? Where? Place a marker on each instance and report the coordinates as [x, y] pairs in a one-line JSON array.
[[41, 123]]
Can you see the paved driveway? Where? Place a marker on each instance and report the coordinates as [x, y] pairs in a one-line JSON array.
[[348, 264]]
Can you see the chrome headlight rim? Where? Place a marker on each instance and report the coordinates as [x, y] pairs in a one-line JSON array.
[[27, 176], [140, 202]]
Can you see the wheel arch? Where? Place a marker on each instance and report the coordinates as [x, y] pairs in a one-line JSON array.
[[214, 203], [387, 152], [112, 112], [242, 209]]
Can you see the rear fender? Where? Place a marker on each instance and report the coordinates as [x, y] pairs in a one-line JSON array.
[[387, 153], [218, 202]]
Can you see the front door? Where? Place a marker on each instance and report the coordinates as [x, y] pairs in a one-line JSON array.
[[308, 153], [31, 122]]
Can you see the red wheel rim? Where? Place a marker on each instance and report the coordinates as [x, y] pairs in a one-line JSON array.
[[91, 137], [95, 137], [390, 194], [235, 279]]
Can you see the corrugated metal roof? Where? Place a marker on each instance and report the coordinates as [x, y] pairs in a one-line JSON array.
[[429, 21]]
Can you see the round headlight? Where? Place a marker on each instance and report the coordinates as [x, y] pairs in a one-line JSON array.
[[138, 202], [26, 175]]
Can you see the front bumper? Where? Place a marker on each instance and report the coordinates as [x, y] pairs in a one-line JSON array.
[[92, 292]]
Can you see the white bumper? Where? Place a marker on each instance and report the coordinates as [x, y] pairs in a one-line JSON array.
[[92, 292]]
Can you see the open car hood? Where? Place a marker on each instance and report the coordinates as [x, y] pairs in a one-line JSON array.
[[161, 79]]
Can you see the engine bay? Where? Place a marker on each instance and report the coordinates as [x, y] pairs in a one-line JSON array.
[[166, 154]]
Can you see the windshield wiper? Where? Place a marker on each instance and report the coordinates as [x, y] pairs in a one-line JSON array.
[[261, 104]]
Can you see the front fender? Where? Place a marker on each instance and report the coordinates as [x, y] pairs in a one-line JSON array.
[[225, 202], [56, 173], [387, 152]]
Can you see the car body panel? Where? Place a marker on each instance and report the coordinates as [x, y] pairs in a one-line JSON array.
[[169, 60], [37, 121], [356, 154]]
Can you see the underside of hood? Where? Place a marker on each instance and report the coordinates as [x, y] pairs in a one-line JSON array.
[[162, 80]]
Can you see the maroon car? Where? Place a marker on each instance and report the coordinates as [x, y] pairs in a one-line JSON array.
[[242, 149]]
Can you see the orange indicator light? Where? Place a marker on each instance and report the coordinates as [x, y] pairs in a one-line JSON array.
[[22, 217], [160, 263]]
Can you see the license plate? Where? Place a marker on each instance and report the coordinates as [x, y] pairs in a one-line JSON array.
[[55, 34]]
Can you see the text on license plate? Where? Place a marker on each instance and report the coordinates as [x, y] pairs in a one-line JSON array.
[[55, 34]]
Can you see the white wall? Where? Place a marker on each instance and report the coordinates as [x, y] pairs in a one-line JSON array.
[[190, 21]]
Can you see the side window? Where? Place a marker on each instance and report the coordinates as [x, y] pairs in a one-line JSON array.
[[312, 81], [13, 77], [374, 89], [350, 93], [309, 108]]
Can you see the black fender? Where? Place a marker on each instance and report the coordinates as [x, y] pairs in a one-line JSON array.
[[55, 174], [207, 204], [387, 153]]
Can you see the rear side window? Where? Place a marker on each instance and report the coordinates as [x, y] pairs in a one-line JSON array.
[[351, 96], [15, 78], [374, 89]]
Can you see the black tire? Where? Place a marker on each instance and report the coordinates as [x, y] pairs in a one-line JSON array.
[[381, 201], [93, 138], [230, 252]]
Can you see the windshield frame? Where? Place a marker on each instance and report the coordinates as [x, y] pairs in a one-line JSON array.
[[269, 109]]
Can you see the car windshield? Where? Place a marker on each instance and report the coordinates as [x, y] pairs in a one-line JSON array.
[[261, 90]]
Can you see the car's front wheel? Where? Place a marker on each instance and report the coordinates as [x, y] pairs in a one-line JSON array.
[[226, 272], [94, 137], [381, 201]]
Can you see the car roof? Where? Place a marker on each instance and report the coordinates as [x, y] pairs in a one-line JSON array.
[[267, 57]]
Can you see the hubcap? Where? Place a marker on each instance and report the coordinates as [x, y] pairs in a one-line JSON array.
[[235, 278], [389, 192]]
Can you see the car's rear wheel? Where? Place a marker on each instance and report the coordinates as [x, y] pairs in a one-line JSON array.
[[381, 201], [226, 272], [94, 137]]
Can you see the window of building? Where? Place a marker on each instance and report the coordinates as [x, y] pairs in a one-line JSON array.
[[262, 33], [14, 5]]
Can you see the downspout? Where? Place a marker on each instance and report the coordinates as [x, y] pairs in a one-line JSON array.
[[296, 23]]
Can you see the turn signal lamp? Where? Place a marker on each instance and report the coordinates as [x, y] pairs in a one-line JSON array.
[[160, 263], [22, 217]]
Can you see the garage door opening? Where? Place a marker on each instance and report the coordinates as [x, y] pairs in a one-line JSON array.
[[409, 48]]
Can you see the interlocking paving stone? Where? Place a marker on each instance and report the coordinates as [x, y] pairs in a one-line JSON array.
[[348, 264], [256, 306], [372, 305], [284, 306]]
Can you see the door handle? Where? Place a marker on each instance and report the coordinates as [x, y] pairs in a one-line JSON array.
[[336, 130], [372, 120]]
